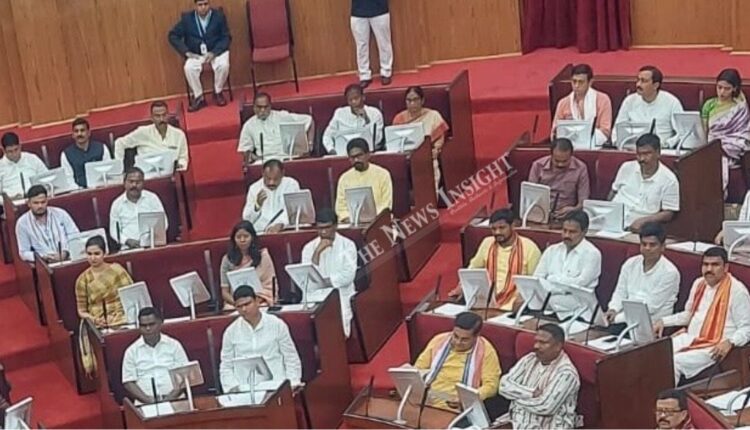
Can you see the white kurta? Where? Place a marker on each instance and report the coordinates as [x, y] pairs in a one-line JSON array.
[[142, 362], [580, 266], [657, 288], [344, 119], [28, 165], [644, 197], [745, 209], [44, 238], [271, 206], [125, 213], [147, 140], [273, 147], [339, 263], [635, 109], [736, 329], [270, 339]]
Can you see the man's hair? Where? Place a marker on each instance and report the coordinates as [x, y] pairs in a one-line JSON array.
[[653, 229], [132, 169], [244, 291], [150, 310], [10, 139], [358, 142], [582, 69], [98, 241], [717, 251], [325, 216], [80, 121], [555, 331], [353, 87], [468, 321], [260, 95], [36, 190], [677, 394], [656, 75], [579, 217], [504, 214], [561, 144], [649, 139], [274, 162], [159, 103]]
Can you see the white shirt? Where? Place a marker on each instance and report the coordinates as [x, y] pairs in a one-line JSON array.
[[344, 119], [581, 266], [657, 288], [142, 362], [643, 197], [745, 209], [44, 238], [271, 206], [125, 212], [339, 264], [28, 165], [270, 339], [147, 140], [254, 128], [737, 326], [65, 164], [635, 109]]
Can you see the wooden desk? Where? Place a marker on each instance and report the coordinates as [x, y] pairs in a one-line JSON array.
[[368, 412], [277, 411]]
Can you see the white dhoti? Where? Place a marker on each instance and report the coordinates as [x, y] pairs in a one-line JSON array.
[[381, 27], [690, 362], [346, 309], [194, 67]]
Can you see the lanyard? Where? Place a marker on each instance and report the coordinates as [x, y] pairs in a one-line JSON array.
[[201, 30]]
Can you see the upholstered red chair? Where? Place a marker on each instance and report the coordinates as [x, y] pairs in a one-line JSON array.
[[271, 38]]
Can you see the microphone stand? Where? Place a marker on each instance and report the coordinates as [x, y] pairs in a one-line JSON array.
[[591, 324], [422, 404], [541, 311]]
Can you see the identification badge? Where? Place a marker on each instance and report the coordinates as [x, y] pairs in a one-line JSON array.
[[204, 49]]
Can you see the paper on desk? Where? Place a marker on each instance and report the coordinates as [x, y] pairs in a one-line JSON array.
[[608, 343], [156, 410], [691, 246], [176, 320], [449, 309], [293, 308], [241, 399], [577, 327], [318, 295], [721, 402], [506, 319], [611, 234]]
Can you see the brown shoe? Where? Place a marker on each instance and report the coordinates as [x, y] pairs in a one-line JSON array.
[[385, 80], [197, 104], [220, 100]]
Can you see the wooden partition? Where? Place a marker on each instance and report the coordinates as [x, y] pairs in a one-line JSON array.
[[94, 54]]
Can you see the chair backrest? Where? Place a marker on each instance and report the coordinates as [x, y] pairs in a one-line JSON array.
[[268, 21]]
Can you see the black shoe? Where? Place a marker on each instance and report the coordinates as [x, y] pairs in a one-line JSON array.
[[197, 104], [365, 83], [220, 100], [385, 80]]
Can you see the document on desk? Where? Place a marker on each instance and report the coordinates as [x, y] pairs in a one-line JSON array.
[[577, 327], [611, 234], [157, 409], [721, 402], [691, 246], [242, 399], [508, 320], [449, 309], [298, 307], [608, 343]]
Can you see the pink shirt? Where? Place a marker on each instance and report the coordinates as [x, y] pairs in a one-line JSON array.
[[571, 185]]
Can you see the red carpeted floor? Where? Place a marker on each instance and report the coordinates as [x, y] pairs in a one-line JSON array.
[[507, 95]]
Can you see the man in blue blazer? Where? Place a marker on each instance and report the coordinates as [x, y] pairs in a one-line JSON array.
[[202, 36]]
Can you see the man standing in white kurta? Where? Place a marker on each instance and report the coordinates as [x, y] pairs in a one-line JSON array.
[[372, 15], [335, 257], [717, 317]]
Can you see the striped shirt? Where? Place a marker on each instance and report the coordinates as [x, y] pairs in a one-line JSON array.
[[542, 396]]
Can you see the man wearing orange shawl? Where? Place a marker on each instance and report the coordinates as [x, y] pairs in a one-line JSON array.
[[505, 254], [717, 317]]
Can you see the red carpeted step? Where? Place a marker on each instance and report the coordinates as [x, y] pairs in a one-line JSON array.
[[24, 342]]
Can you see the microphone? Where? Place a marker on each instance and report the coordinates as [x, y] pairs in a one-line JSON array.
[[375, 135], [653, 126], [275, 296], [275, 217], [153, 390], [554, 203], [23, 184], [711, 374], [744, 405], [59, 250], [261, 149], [593, 132], [212, 358], [489, 297], [119, 232], [423, 401], [591, 324], [104, 311], [534, 128], [541, 311]]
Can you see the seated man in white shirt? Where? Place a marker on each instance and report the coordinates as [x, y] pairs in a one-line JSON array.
[[148, 360], [648, 277], [356, 115], [649, 103], [265, 198], [44, 230], [256, 333], [17, 167], [575, 261], [83, 150], [335, 256], [649, 190], [156, 137], [717, 317], [260, 137], [123, 215]]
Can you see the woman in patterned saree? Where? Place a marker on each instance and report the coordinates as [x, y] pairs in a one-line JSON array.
[[726, 117]]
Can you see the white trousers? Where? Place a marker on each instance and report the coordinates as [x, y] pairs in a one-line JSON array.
[[194, 67], [381, 27], [691, 362]]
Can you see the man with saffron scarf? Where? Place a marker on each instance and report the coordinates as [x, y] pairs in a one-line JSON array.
[[504, 254], [717, 317], [460, 356]]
